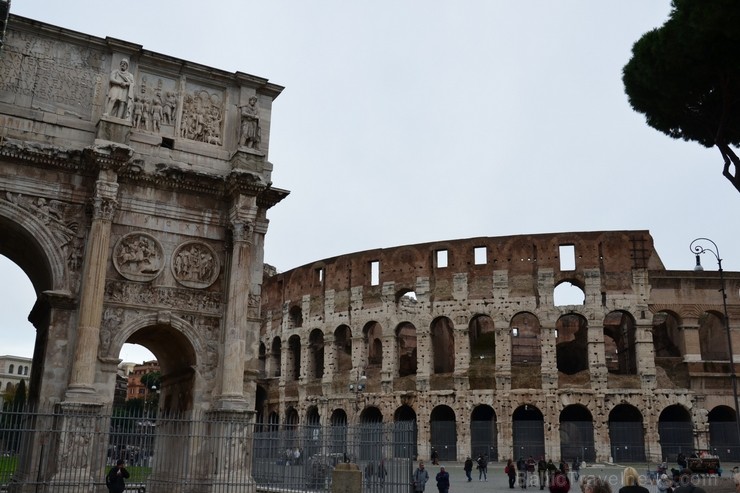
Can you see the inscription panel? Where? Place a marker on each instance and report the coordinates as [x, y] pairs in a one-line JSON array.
[[50, 75]]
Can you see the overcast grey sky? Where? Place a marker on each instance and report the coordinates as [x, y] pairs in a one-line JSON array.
[[412, 121]]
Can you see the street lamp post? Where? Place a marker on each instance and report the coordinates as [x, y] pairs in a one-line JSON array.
[[700, 246]]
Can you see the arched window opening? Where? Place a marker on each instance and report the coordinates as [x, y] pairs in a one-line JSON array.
[[296, 316], [343, 349], [619, 343], [571, 344], [294, 358], [713, 338], [316, 353], [406, 337], [443, 345], [568, 294]]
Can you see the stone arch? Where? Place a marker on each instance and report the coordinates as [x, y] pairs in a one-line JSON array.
[[626, 434], [33, 241], [407, 349], [443, 432], [373, 336], [371, 434], [262, 356], [620, 343], [290, 427], [577, 434], [528, 427], [176, 345], [260, 404], [343, 349], [293, 365], [403, 417], [276, 356], [315, 363], [483, 432], [723, 433], [526, 351], [34, 248], [443, 345], [338, 431], [676, 431], [712, 337], [571, 343], [666, 334], [569, 292], [482, 334]]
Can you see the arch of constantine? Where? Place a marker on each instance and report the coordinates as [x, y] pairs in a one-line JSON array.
[[134, 190]]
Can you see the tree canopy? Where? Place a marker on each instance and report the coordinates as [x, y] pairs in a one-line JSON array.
[[685, 77]]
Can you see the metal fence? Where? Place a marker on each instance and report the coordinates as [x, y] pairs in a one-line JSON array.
[[72, 449]]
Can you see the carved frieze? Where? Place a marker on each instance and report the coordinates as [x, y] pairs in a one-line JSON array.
[[203, 115], [182, 299], [195, 264], [156, 102], [138, 257]]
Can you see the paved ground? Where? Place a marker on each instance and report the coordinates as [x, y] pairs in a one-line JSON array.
[[498, 481]]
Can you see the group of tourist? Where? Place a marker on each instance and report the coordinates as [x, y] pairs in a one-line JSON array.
[[557, 478]]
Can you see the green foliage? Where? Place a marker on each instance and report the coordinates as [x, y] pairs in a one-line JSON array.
[[685, 76]]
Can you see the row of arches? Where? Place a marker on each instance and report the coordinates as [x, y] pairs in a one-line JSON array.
[[524, 334], [626, 432]]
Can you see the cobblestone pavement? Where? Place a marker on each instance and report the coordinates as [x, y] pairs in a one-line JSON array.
[[498, 481]]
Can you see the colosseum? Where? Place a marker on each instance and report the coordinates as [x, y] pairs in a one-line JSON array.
[[467, 339]]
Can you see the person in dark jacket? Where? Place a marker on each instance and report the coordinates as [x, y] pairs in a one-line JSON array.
[[468, 468], [115, 479], [443, 480], [511, 472]]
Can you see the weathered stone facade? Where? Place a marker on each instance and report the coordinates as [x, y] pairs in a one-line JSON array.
[[482, 349], [137, 209]]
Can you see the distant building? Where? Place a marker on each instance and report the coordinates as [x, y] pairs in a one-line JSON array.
[[13, 369], [136, 389]]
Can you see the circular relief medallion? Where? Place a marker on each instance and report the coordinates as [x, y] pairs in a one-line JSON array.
[[195, 264], [138, 257]]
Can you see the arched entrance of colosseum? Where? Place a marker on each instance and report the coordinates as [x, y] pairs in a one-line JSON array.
[[723, 438], [407, 349], [483, 432], [676, 432], [443, 345], [371, 434], [443, 432], [526, 350], [626, 434], [343, 350], [528, 427], [314, 438], [712, 337], [571, 344], [620, 343], [405, 416], [338, 431], [577, 434]]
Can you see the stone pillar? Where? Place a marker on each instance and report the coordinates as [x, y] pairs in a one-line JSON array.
[[330, 363], [231, 432], [691, 344], [390, 361], [596, 357], [462, 358], [601, 429], [77, 457], [346, 478], [241, 216], [503, 356], [645, 355], [108, 159], [549, 363]]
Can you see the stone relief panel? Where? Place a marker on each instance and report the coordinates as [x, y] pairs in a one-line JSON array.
[[138, 257], [51, 74], [63, 219], [134, 293], [195, 264], [203, 115], [156, 103]]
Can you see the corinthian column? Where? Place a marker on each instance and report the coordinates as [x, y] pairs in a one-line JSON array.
[[242, 215], [84, 365]]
